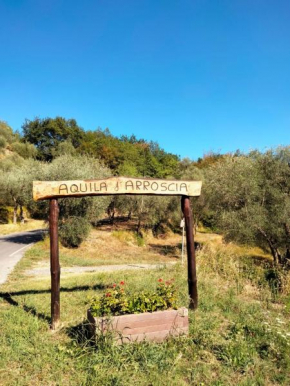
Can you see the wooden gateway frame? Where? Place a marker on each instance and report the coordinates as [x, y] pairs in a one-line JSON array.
[[52, 190]]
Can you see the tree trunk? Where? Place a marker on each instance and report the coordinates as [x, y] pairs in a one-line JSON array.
[[277, 257], [21, 215], [140, 217], [111, 212], [15, 212], [139, 233], [287, 254]]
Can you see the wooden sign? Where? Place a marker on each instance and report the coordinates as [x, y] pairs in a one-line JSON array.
[[114, 185], [53, 190]]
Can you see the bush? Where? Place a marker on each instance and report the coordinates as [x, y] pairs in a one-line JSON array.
[[4, 215], [6, 132], [25, 150], [115, 301], [3, 142], [74, 231]]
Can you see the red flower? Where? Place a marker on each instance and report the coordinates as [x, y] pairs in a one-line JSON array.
[[167, 282], [160, 280], [108, 294], [122, 282], [114, 285]]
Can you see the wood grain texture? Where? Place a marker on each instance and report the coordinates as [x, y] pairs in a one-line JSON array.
[[155, 326], [114, 185]]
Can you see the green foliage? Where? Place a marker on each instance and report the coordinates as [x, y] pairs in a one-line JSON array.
[[4, 215], [46, 134], [73, 231], [7, 132], [68, 167], [24, 149], [116, 301], [124, 156], [129, 156], [16, 184], [10, 162], [64, 148], [208, 159], [3, 142], [151, 212], [250, 197]]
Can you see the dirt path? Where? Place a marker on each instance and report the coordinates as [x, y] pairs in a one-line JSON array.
[[104, 268]]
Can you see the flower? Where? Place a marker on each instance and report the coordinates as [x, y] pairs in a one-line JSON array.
[[114, 285], [108, 294], [122, 282], [160, 280]]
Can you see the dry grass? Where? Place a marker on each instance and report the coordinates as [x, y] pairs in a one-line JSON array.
[[118, 244], [122, 247], [29, 225], [105, 247]]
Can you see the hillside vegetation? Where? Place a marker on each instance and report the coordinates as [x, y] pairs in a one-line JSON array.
[[246, 197], [239, 335]]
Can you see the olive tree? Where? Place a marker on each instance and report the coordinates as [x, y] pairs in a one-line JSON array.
[[250, 196], [16, 186], [76, 214]]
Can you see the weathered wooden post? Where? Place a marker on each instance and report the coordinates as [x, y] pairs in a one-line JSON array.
[[54, 263], [191, 261]]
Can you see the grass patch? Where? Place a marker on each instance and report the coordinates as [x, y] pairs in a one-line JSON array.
[[240, 334], [29, 225], [102, 248]]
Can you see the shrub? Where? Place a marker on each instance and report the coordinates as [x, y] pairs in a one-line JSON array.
[[3, 142], [25, 150], [115, 301], [4, 215], [74, 231], [6, 132]]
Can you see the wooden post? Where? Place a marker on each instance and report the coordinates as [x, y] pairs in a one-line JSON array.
[[191, 262], [54, 263]]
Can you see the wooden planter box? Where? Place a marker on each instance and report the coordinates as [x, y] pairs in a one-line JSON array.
[[155, 326]]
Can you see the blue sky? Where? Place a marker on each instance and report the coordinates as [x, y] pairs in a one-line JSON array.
[[193, 75]]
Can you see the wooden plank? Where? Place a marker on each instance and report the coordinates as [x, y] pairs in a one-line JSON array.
[[137, 327], [114, 185], [142, 320], [147, 319], [151, 328], [156, 336]]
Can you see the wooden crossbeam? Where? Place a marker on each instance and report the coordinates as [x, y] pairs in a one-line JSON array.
[[114, 185]]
